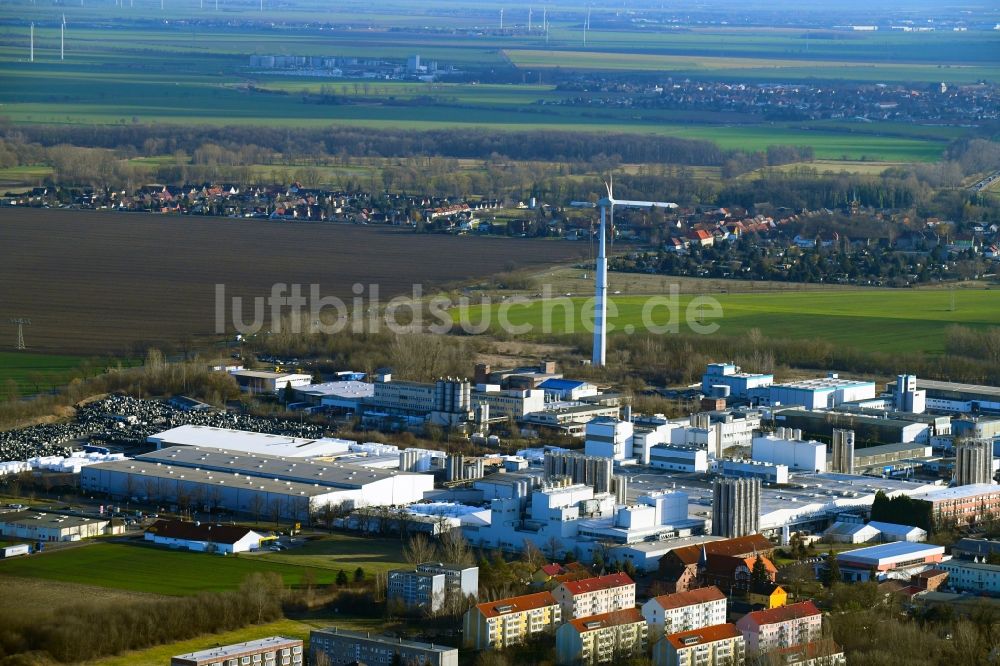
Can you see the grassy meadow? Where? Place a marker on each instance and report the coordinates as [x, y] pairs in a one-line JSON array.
[[868, 320], [141, 568]]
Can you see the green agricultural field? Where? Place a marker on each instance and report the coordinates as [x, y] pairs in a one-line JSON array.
[[148, 569], [869, 320], [40, 372], [756, 68]]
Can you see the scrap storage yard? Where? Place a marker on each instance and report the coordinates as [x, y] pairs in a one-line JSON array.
[[104, 282]]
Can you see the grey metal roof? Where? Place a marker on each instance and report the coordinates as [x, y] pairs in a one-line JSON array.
[[333, 474]]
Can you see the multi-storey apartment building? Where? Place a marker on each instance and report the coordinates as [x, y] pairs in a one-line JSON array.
[[336, 646], [684, 611], [497, 624], [602, 639], [429, 586], [595, 596], [717, 645], [270, 651], [783, 627]]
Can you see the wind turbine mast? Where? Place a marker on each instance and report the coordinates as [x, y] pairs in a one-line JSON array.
[[31, 51], [62, 39], [607, 206]]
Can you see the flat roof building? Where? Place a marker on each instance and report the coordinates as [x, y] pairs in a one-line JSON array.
[[249, 442], [956, 397], [270, 651], [340, 647], [47, 526], [258, 485], [263, 381], [825, 392], [856, 565]]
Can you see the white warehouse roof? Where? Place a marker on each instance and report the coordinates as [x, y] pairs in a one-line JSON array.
[[249, 442]]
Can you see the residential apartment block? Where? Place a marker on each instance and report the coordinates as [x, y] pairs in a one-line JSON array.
[[717, 645], [783, 627], [352, 647], [602, 639], [271, 651], [497, 624], [684, 611], [595, 596], [428, 586]]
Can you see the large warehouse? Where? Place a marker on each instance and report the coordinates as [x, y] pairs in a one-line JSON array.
[[261, 485], [249, 442]]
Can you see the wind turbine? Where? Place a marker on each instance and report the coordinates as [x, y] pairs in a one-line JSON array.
[[62, 39], [31, 52], [607, 206]]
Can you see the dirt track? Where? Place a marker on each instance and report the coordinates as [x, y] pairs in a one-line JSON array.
[[117, 282]]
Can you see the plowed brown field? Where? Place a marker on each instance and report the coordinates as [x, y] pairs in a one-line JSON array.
[[116, 282]]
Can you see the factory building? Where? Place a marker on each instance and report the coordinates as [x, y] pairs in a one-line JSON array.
[[868, 425], [754, 469], [824, 393], [506, 404], [261, 381], [48, 526], [337, 646], [249, 442], [975, 577], [569, 418], [973, 462], [678, 458], [907, 397], [609, 438], [735, 507], [260, 485], [954, 397], [446, 402], [786, 447], [962, 504], [730, 376], [557, 390]]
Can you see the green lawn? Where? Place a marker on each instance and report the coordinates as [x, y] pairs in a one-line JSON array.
[[343, 551], [871, 320], [148, 569], [144, 568], [40, 372]]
